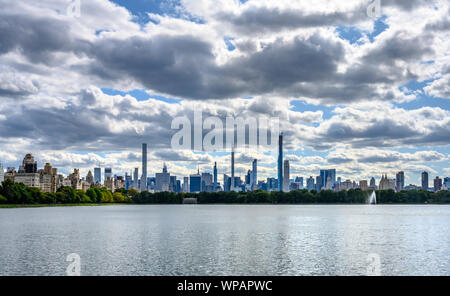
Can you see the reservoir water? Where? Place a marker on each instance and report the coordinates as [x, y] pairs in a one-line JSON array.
[[227, 240]]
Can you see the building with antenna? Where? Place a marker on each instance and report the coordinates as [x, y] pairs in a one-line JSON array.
[[280, 162]]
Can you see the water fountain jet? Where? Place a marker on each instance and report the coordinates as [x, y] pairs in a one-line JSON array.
[[372, 200]]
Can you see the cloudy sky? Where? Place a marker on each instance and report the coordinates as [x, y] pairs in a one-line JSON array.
[[364, 95]]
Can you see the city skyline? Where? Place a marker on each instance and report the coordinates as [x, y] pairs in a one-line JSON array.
[[366, 96], [230, 169], [49, 180]]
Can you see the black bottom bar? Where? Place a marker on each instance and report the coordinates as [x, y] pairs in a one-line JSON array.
[[225, 285]]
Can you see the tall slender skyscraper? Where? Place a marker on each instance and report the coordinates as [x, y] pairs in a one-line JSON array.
[[144, 167], [232, 169], [136, 178], [425, 182], [2, 174], [254, 178], [280, 162], [400, 181], [215, 176], [98, 175], [286, 178]]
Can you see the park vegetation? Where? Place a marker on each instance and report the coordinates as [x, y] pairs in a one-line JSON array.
[[18, 194]]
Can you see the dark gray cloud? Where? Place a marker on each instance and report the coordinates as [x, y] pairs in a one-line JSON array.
[[440, 25], [407, 5], [382, 132], [185, 67], [380, 129], [38, 38], [399, 48], [260, 20], [178, 65], [339, 160], [79, 128]]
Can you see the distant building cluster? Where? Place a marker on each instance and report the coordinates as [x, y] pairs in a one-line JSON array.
[[48, 179]]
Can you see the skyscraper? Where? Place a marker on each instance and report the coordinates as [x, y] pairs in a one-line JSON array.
[[299, 180], [195, 183], [144, 167], [319, 183], [363, 185], [400, 181], [286, 178], [108, 173], [186, 184], [207, 182], [226, 183], [248, 178], [330, 176], [254, 179], [447, 182], [136, 178], [232, 169], [89, 177], [425, 182], [437, 184], [280, 162], [29, 166], [98, 175], [2, 174], [215, 175], [162, 182], [310, 183]]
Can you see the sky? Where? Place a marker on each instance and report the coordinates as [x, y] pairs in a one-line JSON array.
[[367, 95]]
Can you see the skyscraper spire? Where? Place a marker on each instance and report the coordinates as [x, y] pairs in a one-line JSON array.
[[215, 175], [144, 167], [232, 168], [280, 162]]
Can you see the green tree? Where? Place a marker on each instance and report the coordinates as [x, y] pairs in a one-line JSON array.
[[118, 197], [66, 195], [3, 199]]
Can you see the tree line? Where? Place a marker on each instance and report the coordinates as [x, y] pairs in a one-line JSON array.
[[17, 193]]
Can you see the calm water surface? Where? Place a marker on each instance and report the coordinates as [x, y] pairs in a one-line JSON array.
[[226, 240]]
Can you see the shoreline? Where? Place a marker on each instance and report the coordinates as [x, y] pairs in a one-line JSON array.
[[209, 204], [56, 205]]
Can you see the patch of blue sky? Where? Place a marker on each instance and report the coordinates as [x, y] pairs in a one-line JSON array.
[[103, 155], [79, 153], [306, 152], [379, 27], [139, 94], [99, 32], [229, 42], [422, 99], [445, 150], [141, 8], [302, 106], [353, 34]]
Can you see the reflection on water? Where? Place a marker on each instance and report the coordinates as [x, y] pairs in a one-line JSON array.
[[226, 240]]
